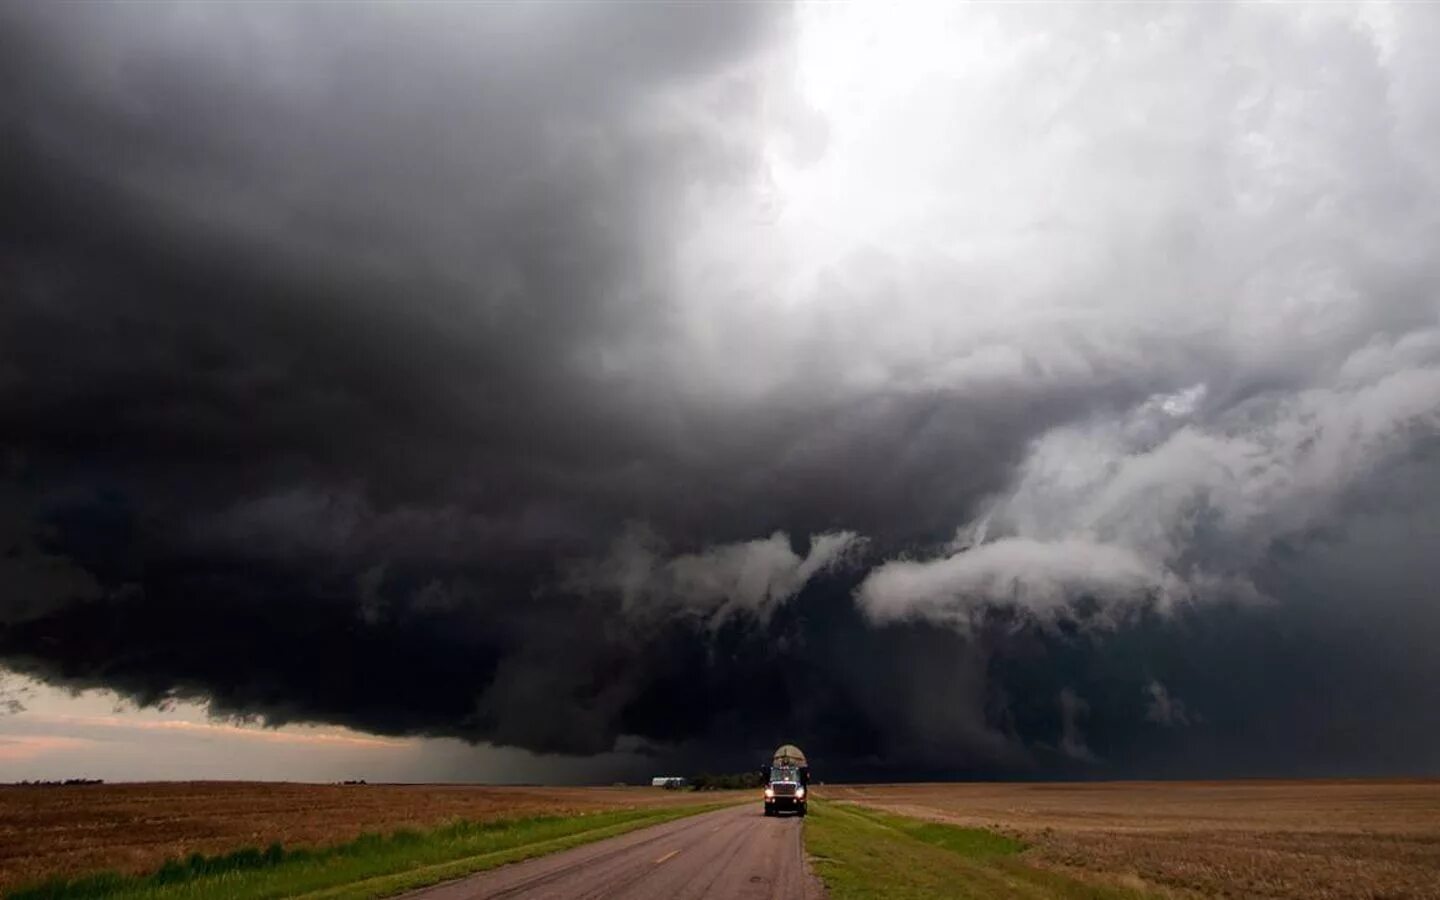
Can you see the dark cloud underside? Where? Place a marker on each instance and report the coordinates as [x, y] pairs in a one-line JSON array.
[[425, 370]]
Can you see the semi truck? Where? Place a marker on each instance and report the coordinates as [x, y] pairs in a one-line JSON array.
[[787, 781]]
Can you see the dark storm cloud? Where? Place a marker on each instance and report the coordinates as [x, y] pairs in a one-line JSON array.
[[564, 375]]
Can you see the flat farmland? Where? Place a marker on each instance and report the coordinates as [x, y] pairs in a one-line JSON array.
[[1322, 839], [133, 828]]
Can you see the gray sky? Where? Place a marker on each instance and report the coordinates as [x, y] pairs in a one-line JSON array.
[[52, 734], [959, 389]]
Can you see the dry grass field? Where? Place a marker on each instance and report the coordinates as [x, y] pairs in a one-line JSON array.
[[1311, 839], [1321, 839], [73, 830]]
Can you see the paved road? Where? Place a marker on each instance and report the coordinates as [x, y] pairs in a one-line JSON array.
[[734, 852]]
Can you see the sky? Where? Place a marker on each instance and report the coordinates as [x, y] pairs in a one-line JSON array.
[[578, 392]]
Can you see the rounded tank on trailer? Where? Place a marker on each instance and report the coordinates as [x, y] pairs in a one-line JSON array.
[[790, 755]]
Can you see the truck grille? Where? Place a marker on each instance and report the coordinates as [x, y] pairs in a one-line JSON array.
[[784, 790]]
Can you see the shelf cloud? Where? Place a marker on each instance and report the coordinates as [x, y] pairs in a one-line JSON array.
[[951, 390]]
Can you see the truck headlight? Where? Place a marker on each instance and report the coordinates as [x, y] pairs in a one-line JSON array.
[[799, 792], [769, 792]]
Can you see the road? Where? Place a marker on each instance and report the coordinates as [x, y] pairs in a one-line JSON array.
[[735, 852]]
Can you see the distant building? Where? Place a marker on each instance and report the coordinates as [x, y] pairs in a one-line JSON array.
[[668, 781]]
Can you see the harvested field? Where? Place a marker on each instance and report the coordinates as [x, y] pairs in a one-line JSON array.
[[68, 831], [1320, 839]]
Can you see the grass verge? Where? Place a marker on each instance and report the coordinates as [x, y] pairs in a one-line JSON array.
[[372, 865], [861, 853]]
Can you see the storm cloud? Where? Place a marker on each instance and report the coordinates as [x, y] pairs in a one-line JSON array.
[[951, 390]]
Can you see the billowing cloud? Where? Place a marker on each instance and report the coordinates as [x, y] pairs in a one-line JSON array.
[[749, 577], [690, 378], [1158, 507], [1164, 709], [1027, 573]]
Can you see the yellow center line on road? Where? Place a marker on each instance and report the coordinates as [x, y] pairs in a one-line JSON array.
[[666, 856]]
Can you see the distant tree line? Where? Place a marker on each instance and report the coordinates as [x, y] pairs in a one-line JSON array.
[[707, 781], [66, 783]]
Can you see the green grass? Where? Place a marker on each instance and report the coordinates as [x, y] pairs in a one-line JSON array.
[[861, 853], [371, 866]]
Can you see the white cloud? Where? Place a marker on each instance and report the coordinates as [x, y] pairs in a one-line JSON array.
[[1150, 507], [752, 577], [1163, 709], [1009, 197], [1037, 575]]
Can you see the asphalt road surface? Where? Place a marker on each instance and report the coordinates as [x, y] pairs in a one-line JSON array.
[[735, 852]]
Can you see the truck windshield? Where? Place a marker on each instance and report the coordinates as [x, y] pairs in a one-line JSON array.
[[784, 773]]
